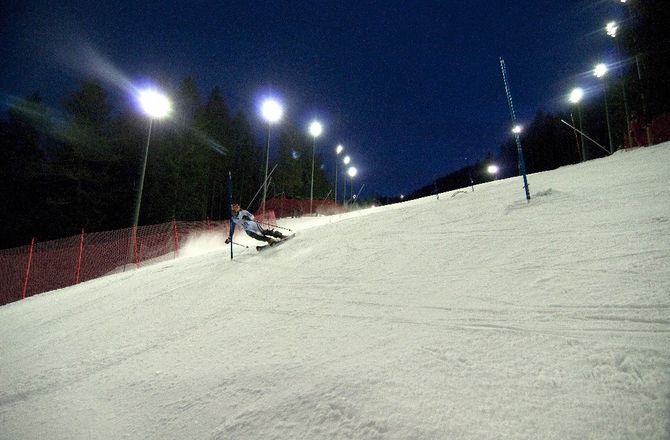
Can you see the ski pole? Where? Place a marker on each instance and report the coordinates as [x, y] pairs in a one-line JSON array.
[[274, 226], [234, 242]]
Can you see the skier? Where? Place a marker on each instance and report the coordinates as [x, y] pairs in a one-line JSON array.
[[246, 219]]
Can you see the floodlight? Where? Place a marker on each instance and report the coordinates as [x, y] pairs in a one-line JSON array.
[[315, 128], [611, 28], [154, 104], [272, 111], [576, 95], [600, 70]]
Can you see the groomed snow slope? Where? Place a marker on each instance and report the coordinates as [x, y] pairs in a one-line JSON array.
[[472, 316]]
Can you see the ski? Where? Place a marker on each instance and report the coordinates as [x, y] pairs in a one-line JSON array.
[[266, 246]]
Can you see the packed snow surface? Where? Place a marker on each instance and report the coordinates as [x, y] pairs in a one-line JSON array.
[[475, 315]]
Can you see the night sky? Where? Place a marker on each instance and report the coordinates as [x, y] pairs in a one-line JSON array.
[[413, 90]]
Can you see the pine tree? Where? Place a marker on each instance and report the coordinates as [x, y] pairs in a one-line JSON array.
[[645, 38], [128, 141], [247, 166], [84, 161], [176, 180], [23, 139], [217, 127]]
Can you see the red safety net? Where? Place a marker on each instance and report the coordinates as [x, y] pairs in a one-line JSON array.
[[41, 267], [659, 131], [51, 265]]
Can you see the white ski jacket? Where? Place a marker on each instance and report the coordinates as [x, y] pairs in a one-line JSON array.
[[246, 219]]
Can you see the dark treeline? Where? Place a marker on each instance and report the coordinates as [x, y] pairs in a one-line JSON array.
[[638, 88], [80, 167]]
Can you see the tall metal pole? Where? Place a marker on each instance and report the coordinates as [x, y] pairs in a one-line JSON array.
[[645, 114], [267, 160], [138, 201], [579, 150], [311, 189], [641, 85], [336, 157], [625, 108], [607, 118], [344, 188]]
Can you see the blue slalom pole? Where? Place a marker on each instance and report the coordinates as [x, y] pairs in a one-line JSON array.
[[522, 163]]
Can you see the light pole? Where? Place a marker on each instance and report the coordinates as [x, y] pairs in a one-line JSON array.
[[600, 71], [575, 97], [345, 161], [315, 129], [352, 171], [338, 150], [612, 29], [156, 106], [272, 112]]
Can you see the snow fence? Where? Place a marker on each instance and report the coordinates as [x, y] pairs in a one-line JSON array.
[[43, 266]]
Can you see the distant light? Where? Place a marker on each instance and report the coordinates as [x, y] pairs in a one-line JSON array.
[[517, 129], [612, 28], [623, 1], [346, 160], [315, 128], [402, 196], [576, 95], [154, 104], [272, 111], [600, 70], [352, 171], [339, 149], [493, 169]]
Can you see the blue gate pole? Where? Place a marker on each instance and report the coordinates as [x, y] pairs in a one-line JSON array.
[[522, 163]]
